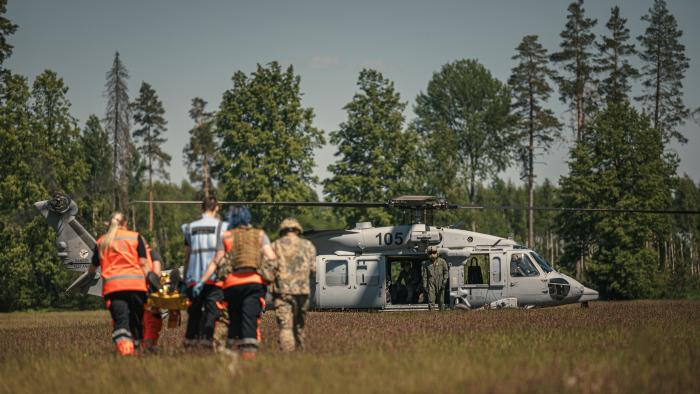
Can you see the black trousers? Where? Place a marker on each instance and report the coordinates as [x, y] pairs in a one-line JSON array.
[[126, 308], [203, 313], [245, 305]]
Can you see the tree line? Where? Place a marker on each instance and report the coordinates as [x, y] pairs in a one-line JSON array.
[[468, 127]]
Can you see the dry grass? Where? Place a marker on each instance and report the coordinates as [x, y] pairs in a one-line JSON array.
[[645, 346]]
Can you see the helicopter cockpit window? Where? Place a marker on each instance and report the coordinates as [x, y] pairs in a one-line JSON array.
[[336, 273], [542, 263], [521, 266]]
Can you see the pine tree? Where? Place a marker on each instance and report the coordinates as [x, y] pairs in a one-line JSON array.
[[576, 59], [199, 152], [148, 114], [95, 207], [7, 28], [620, 163], [613, 60], [538, 126], [663, 71], [116, 123], [267, 141], [373, 150]]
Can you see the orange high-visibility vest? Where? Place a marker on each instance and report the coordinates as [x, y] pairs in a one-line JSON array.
[[120, 263]]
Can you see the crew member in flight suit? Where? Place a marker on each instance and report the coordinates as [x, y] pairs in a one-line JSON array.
[[436, 273]]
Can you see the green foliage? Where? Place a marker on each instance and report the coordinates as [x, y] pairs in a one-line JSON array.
[[577, 86], [663, 71], [267, 141], [612, 60], [619, 163], [199, 152], [40, 152], [167, 219], [463, 118], [7, 28], [18, 149], [373, 150], [56, 136], [95, 206]]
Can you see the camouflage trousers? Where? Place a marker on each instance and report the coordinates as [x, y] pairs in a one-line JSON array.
[[290, 310], [436, 295]]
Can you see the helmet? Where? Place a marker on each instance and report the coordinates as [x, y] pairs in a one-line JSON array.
[[291, 224], [239, 216]]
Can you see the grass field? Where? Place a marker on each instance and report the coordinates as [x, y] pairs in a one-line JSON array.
[[644, 346]]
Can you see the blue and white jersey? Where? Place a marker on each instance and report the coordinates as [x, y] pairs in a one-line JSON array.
[[204, 237]]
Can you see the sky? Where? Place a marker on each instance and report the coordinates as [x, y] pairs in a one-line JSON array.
[[188, 49]]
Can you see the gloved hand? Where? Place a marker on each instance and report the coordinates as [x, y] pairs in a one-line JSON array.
[[183, 288], [197, 289], [153, 281]]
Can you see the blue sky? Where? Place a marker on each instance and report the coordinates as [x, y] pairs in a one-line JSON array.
[[186, 49]]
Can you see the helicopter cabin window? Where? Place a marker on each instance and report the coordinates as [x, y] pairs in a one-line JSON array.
[[336, 273], [496, 270], [522, 266], [476, 270]]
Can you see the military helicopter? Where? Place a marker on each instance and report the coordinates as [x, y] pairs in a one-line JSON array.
[[357, 268]]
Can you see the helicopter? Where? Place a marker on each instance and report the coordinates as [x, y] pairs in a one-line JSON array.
[[358, 268]]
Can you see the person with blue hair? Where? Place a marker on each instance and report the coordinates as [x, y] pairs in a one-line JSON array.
[[240, 267]]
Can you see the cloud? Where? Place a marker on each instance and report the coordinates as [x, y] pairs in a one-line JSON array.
[[324, 61]]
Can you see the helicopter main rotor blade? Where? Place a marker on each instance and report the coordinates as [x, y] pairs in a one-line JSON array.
[[568, 209], [278, 203], [356, 204]]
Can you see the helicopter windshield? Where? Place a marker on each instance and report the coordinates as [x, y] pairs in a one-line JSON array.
[[542, 263]]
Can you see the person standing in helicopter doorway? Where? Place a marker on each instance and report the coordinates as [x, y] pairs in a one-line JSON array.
[[435, 276]]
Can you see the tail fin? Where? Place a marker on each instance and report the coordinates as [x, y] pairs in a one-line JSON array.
[[75, 244]]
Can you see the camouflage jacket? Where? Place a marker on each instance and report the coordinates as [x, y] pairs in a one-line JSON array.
[[435, 272], [296, 261]]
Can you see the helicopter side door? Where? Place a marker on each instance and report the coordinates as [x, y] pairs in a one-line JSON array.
[[350, 282], [525, 282]]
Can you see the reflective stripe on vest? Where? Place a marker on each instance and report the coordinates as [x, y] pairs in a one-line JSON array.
[[118, 277], [120, 264], [242, 278]]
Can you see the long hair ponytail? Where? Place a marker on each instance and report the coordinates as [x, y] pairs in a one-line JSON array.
[[117, 219]]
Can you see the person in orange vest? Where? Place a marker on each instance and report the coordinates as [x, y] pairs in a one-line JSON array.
[[122, 256], [240, 264], [152, 319]]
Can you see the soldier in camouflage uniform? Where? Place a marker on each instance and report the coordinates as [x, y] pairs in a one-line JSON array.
[[435, 276], [295, 265]]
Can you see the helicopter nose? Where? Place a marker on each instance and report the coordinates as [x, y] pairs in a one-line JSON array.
[[588, 295]]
